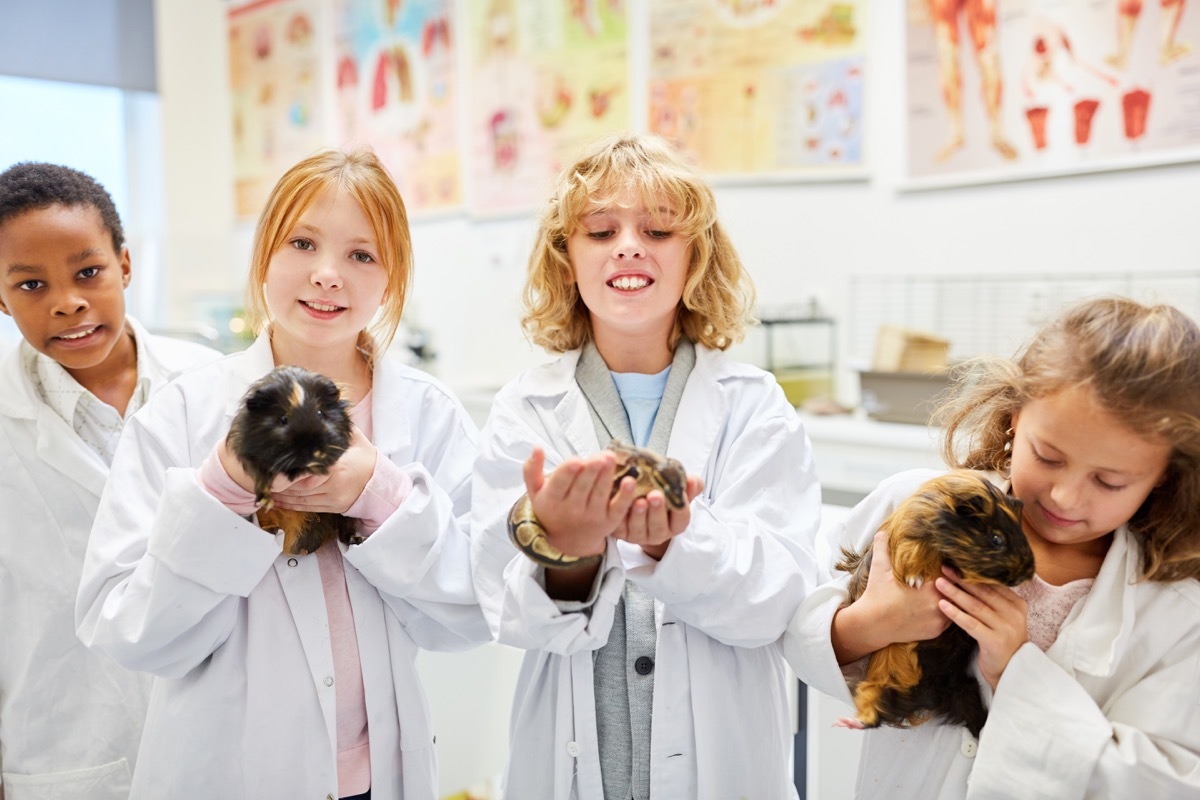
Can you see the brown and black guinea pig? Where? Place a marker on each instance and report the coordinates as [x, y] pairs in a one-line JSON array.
[[293, 422], [962, 520]]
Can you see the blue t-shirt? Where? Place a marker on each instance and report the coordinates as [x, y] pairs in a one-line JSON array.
[[641, 395]]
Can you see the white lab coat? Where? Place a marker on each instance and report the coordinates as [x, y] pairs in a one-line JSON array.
[[1111, 710], [176, 584], [70, 719], [724, 591]]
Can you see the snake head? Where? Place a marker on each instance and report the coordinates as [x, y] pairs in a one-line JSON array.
[[651, 471]]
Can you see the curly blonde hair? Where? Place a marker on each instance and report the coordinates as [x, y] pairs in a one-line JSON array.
[[624, 171], [363, 177], [1142, 363]]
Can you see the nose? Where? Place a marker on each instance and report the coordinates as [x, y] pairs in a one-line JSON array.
[[629, 244], [68, 302], [1066, 493], [326, 275]]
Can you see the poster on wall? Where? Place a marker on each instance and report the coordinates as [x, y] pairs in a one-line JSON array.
[[547, 77], [1010, 89], [761, 89], [397, 91], [274, 87]]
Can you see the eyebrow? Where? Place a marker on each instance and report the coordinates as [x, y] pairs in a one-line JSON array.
[[33, 269], [310, 228]]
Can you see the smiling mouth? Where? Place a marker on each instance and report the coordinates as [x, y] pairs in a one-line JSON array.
[[322, 306], [630, 283], [1062, 522], [71, 337]]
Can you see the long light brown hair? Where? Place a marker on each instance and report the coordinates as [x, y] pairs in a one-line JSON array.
[[1142, 364], [623, 171], [364, 178]]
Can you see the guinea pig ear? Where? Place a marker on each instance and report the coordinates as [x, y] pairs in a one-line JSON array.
[[258, 401], [972, 505]]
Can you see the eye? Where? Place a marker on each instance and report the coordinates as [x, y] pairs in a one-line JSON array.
[[659, 234], [320, 414], [29, 286], [362, 257], [283, 419], [302, 244], [599, 235], [89, 272], [997, 540], [1042, 459]]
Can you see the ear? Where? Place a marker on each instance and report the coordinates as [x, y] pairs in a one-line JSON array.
[[126, 270]]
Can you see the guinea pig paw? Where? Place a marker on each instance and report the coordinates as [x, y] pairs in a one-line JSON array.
[[914, 581], [848, 722]]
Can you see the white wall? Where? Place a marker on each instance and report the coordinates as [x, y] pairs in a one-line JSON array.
[[798, 240]]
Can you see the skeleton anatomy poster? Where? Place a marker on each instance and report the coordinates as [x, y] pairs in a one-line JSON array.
[[1006, 89]]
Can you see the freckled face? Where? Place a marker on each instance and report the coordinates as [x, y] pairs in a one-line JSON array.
[[630, 271], [64, 285], [1080, 472], [327, 282]]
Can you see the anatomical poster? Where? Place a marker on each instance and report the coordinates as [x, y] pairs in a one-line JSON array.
[[1009, 89], [397, 90], [547, 77], [760, 89], [274, 88]]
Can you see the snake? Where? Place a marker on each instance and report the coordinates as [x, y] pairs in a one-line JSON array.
[[650, 470]]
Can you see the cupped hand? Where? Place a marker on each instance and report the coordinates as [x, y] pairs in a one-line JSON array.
[[335, 491], [994, 616], [651, 523], [575, 503], [888, 611]]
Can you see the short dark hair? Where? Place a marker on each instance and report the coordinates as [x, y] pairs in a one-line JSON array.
[[34, 185]]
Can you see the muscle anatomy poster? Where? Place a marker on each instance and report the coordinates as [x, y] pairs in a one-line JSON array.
[[760, 88], [1006, 89], [547, 77]]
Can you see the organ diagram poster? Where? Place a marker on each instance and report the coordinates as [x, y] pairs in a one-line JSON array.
[[275, 90], [758, 88], [397, 90], [1007, 89], [547, 77]]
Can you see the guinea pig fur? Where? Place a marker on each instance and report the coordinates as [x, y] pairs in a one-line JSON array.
[[962, 520], [292, 422]]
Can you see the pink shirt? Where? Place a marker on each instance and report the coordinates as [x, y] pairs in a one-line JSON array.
[[386, 489]]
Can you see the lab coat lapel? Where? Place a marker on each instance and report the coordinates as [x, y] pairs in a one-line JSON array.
[[390, 432], [698, 421], [60, 448]]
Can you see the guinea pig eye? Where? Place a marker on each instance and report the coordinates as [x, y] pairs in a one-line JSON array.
[[320, 414], [997, 540], [283, 419]]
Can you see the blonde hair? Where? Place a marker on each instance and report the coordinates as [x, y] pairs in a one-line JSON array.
[[364, 178], [718, 294], [1142, 364]]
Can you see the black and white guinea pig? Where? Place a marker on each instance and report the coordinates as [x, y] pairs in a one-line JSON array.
[[292, 422]]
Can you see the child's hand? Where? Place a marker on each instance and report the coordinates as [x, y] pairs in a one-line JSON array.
[[574, 503], [888, 611], [995, 616], [651, 524], [336, 491]]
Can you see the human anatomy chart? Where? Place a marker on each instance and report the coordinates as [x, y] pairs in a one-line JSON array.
[[1003, 89], [397, 91], [760, 87], [546, 78], [274, 88]]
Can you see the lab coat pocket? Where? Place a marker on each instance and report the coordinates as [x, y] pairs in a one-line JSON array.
[[94, 783]]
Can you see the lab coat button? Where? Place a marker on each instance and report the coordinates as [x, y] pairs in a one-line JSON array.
[[329, 680], [328, 797], [644, 665], [969, 747], [573, 749], [292, 562]]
